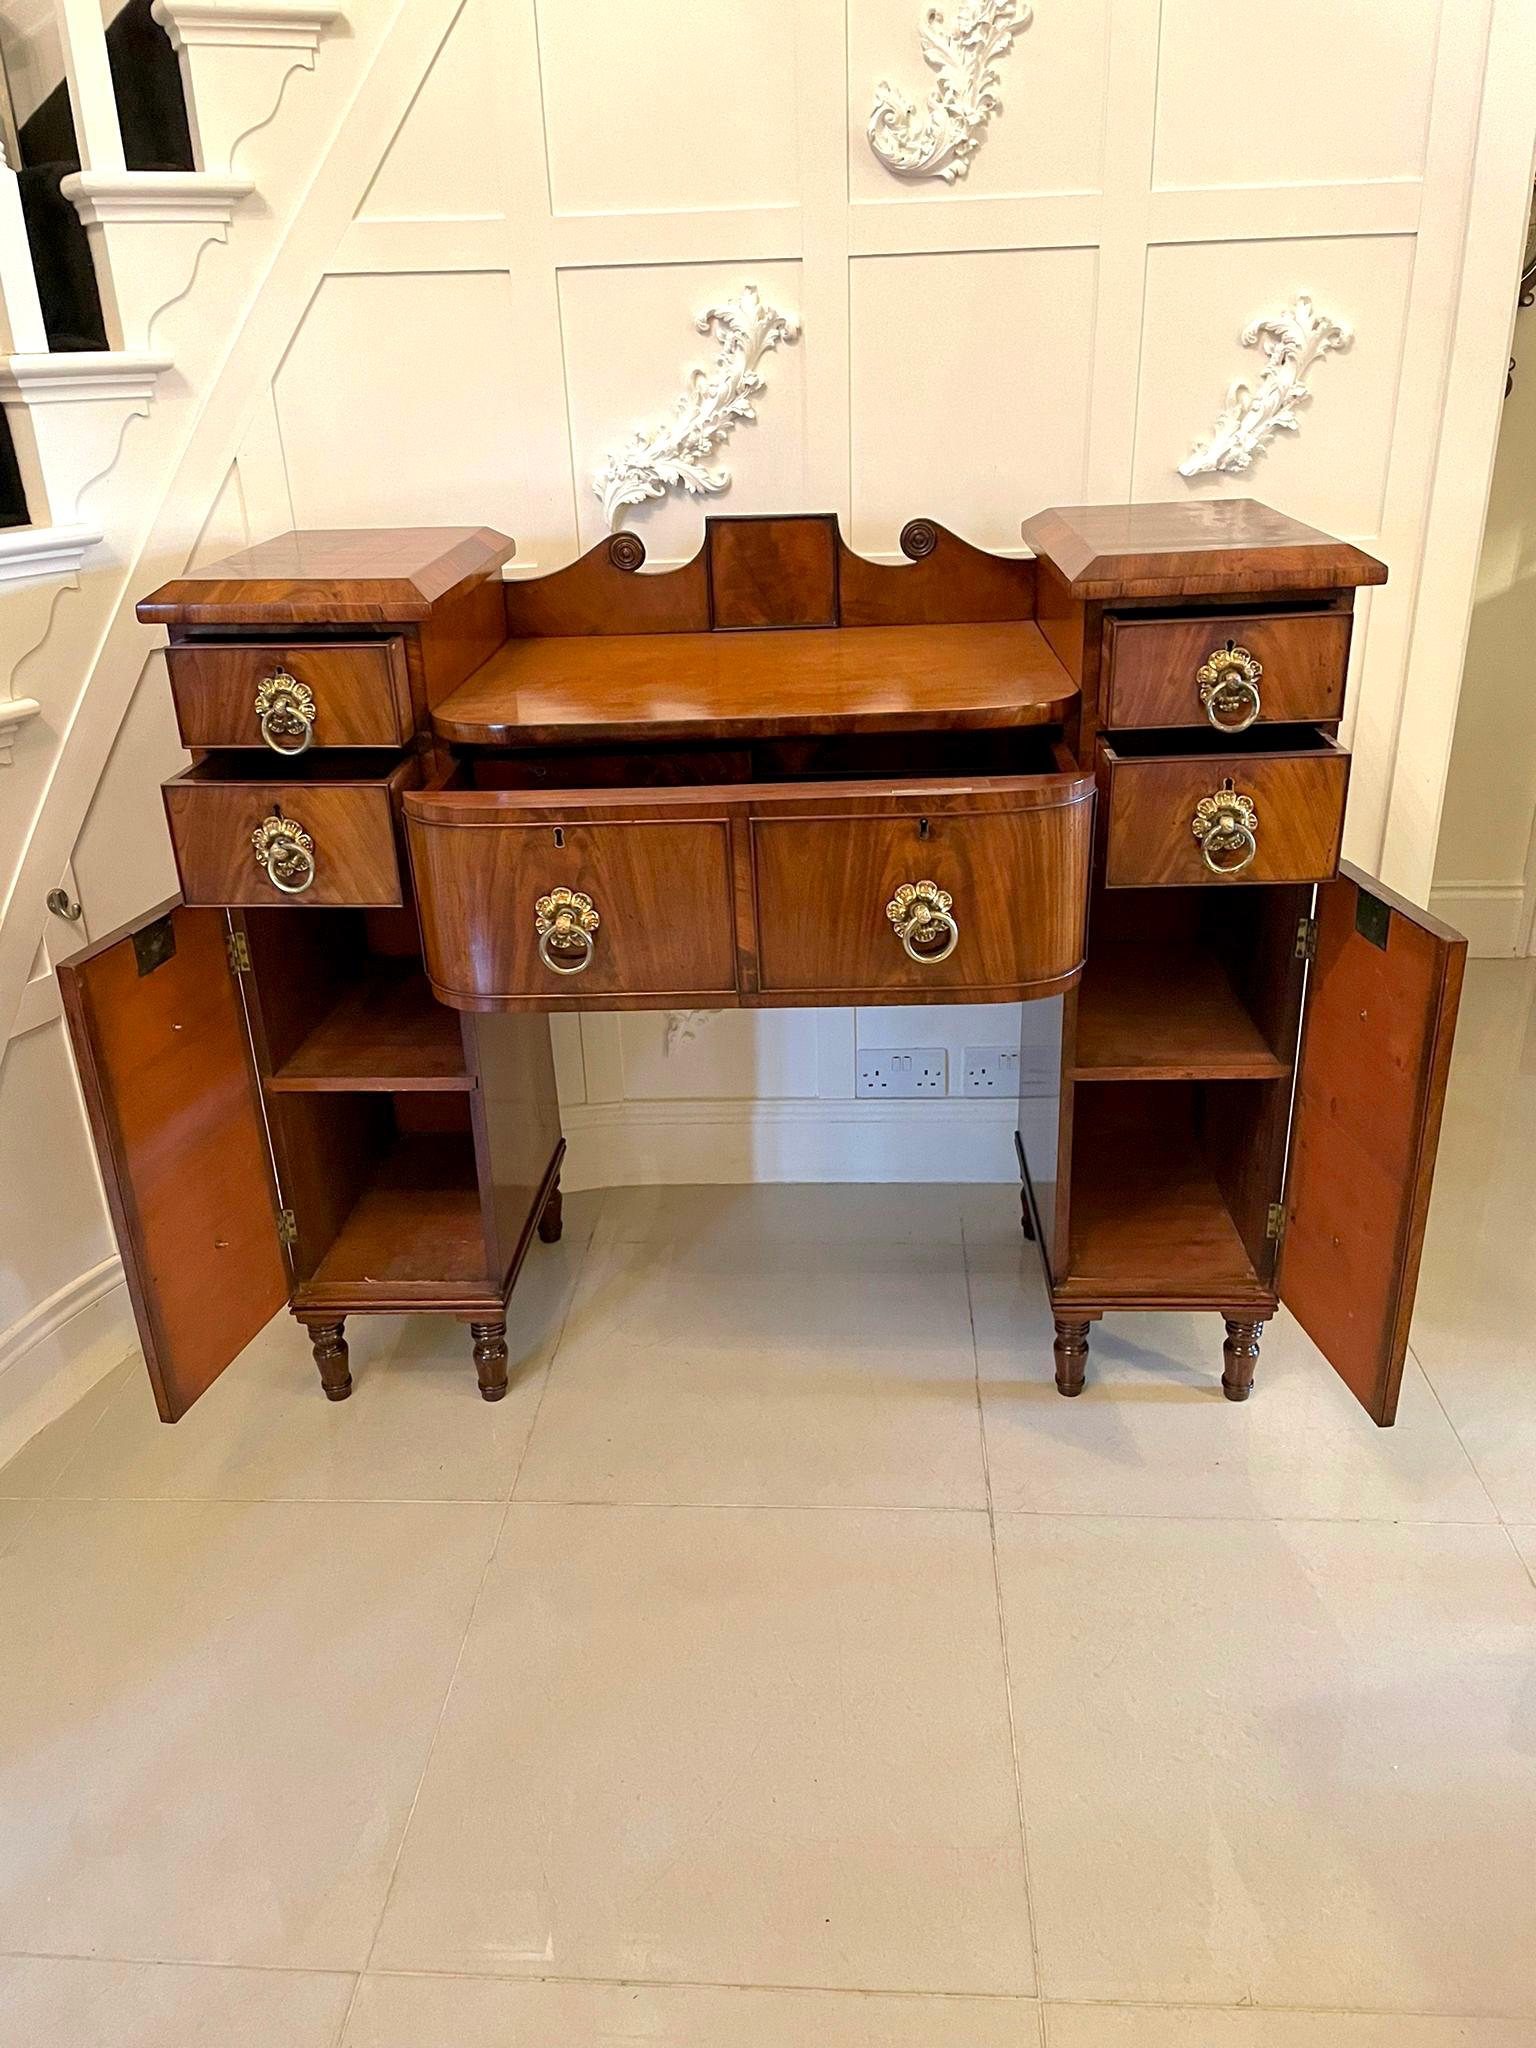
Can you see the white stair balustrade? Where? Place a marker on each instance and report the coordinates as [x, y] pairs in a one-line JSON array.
[[235, 57]]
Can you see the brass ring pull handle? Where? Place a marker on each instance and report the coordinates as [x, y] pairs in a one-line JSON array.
[[285, 852], [921, 915], [1229, 688], [1227, 827], [285, 710], [565, 922]]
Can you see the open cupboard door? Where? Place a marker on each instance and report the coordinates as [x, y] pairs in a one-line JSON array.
[[158, 1026], [1375, 1056]]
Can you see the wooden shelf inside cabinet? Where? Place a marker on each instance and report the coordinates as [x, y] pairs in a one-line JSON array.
[[387, 1035], [1150, 1226], [416, 1226], [1159, 1013], [758, 685]]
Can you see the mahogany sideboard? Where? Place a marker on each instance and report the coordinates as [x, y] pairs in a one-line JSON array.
[[428, 806]]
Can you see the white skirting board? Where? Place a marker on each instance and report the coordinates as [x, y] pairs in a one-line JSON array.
[[644, 1144], [1490, 914], [60, 1349]]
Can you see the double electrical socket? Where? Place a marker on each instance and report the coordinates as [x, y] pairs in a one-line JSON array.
[[989, 1070]]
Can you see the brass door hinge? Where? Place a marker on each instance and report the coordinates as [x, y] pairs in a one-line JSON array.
[[238, 947], [1306, 938], [1274, 1221], [287, 1228]]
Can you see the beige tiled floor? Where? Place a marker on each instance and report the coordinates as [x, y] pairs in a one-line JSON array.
[[785, 1663]]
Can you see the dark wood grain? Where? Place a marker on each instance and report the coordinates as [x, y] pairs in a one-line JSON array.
[[166, 1075], [1148, 1012], [516, 1121], [1015, 861], [385, 1035], [1149, 805], [415, 1238], [742, 686], [1153, 665], [773, 572], [1375, 1059], [947, 582], [349, 576], [215, 806], [1196, 547], [361, 690], [606, 591]]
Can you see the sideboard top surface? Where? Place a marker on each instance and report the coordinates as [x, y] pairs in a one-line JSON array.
[[1200, 547], [329, 576], [759, 684]]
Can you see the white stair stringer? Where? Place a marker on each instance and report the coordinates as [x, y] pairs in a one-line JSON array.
[[236, 56], [227, 341], [147, 230], [68, 413]]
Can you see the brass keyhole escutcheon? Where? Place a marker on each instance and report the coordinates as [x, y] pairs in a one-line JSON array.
[[285, 710], [922, 917], [1229, 688], [1226, 823], [285, 852], [565, 921]]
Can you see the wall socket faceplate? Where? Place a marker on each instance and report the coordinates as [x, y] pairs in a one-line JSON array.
[[991, 1070], [924, 1071]]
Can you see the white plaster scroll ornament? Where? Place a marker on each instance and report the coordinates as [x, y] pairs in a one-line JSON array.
[[939, 140], [674, 453], [1292, 341]]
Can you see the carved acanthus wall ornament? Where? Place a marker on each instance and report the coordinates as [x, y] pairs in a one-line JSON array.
[[683, 1026], [938, 141], [673, 454], [1292, 341]]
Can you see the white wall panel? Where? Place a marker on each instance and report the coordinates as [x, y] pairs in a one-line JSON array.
[[47, 1245], [630, 342], [736, 1055], [1049, 135], [399, 403], [1201, 295], [970, 387], [669, 108], [1315, 91], [444, 160], [123, 857]]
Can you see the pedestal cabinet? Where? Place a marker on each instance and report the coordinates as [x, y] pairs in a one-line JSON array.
[[428, 806]]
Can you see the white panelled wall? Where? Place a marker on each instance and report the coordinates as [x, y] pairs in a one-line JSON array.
[[496, 278]]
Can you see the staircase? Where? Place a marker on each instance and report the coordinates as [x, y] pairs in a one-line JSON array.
[[117, 184]]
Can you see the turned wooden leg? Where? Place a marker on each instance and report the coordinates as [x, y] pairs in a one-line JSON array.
[[490, 1358], [1026, 1221], [1240, 1354], [330, 1351], [1071, 1356], [550, 1224]]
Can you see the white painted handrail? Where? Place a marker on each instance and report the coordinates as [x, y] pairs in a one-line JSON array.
[[83, 39], [21, 315]]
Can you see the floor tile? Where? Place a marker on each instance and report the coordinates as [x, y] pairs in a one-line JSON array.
[[1477, 1289], [1099, 2026], [1525, 1543], [1154, 1435], [1291, 1764], [802, 1212], [36, 1467], [415, 1427], [764, 1372], [476, 2012], [214, 1718], [730, 1746], [14, 1516], [71, 2002]]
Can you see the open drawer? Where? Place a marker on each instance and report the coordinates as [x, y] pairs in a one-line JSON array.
[[816, 874], [1205, 807]]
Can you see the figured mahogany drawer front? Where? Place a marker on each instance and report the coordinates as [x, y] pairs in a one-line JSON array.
[[607, 905], [1227, 671], [1222, 817], [301, 842], [290, 697], [924, 893]]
